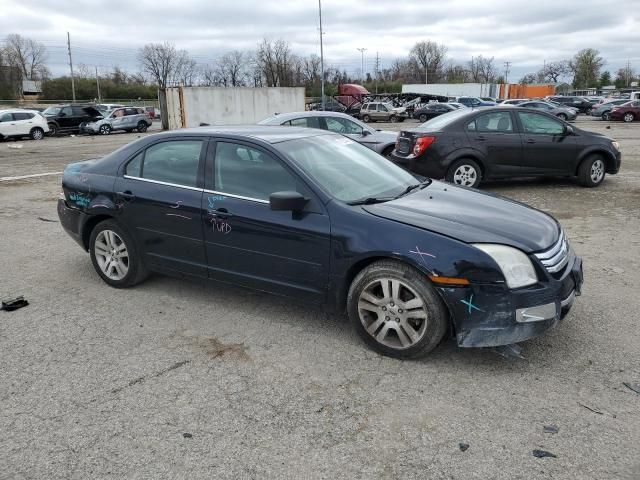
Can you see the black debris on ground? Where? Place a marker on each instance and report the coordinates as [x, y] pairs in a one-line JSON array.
[[543, 453], [632, 386], [551, 429], [47, 220], [14, 304], [463, 447], [187, 435]]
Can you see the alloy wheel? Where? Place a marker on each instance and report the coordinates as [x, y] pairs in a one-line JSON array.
[[37, 134], [465, 175], [111, 254], [105, 130], [393, 313], [597, 171], [628, 117], [606, 116]]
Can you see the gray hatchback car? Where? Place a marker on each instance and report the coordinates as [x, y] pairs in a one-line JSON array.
[[127, 119], [563, 113], [380, 141]]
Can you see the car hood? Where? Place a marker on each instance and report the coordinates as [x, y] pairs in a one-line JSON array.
[[472, 217]]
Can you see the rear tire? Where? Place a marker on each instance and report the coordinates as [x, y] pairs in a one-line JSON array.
[[464, 172], [109, 240], [628, 117], [142, 127], [423, 118], [36, 133], [592, 171], [366, 118], [389, 325], [393, 119], [562, 116]]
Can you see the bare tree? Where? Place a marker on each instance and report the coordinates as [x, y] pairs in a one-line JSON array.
[[456, 73], [232, 69], [553, 71], [164, 64], [430, 57], [27, 55], [82, 71], [276, 63], [487, 69]]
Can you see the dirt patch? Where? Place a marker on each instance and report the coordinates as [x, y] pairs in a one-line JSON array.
[[214, 348]]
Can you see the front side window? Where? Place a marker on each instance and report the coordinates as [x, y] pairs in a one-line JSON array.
[[540, 124], [171, 162], [343, 125], [66, 112], [249, 172], [496, 122]]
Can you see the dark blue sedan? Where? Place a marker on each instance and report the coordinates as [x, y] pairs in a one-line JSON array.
[[314, 215]]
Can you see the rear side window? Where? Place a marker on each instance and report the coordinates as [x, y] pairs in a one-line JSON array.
[[6, 117], [496, 122], [131, 111], [540, 124], [342, 125], [308, 122], [173, 162], [23, 116]]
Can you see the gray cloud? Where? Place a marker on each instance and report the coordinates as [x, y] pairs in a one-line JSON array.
[[521, 31]]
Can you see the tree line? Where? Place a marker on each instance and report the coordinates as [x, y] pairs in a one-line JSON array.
[[273, 63]]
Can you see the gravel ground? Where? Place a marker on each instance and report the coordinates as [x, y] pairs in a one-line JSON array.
[[178, 379]]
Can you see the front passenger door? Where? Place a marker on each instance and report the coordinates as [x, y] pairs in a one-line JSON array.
[[249, 244], [547, 150]]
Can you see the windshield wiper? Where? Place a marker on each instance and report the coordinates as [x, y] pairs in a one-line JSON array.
[[371, 200], [411, 188]]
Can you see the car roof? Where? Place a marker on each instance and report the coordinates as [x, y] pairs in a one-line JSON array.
[[267, 133], [283, 117]]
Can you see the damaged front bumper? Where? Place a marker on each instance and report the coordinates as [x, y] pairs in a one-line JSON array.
[[487, 315]]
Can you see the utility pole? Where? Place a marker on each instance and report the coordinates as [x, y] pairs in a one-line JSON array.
[[362, 50], [628, 72], [321, 56], [73, 85], [507, 67], [426, 72], [377, 70], [98, 84]]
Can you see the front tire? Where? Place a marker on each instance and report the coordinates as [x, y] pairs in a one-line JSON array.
[[396, 311], [366, 118], [606, 116], [592, 171], [114, 255], [423, 118], [53, 129], [562, 116], [104, 130], [464, 172], [628, 117], [36, 133]]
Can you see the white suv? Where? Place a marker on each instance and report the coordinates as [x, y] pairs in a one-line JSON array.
[[22, 123]]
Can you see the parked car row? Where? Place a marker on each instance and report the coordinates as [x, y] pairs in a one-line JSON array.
[[19, 123]]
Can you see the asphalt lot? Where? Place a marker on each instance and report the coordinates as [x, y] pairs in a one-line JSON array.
[[178, 379]]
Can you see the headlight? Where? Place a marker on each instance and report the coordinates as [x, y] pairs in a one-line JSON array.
[[616, 145], [516, 267]]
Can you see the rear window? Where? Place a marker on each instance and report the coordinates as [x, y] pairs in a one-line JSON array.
[[442, 121]]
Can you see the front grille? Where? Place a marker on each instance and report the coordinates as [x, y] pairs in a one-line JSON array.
[[555, 258]]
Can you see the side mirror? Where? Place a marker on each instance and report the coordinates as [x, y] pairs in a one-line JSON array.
[[290, 201], [568, 130], [365, 132]]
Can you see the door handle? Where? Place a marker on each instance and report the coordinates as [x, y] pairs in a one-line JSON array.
[[530, 140], [126, 195], [481, 137], [221, 213]]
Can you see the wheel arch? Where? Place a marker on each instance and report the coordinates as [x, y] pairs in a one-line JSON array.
[[471, 155], [89, 225], [609, 158]]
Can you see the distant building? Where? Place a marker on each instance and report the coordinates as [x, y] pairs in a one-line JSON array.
[[31, 87]]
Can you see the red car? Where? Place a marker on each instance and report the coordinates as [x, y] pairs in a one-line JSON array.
[[628, 112]]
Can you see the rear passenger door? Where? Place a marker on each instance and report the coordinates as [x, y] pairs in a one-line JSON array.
[[8, 125], [494, 134], [160, 195], [249, 244], [23, 122]]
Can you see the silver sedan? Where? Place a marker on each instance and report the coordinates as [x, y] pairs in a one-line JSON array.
[[380, 141], [562, 112]]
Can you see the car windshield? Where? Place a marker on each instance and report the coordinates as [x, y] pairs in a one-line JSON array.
[[52, 111], [345, 169], [441, 121], [389, 105]]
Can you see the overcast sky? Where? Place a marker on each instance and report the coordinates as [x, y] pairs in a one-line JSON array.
[[524, 32]]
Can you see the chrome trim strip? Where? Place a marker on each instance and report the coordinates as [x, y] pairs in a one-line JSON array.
[[559, 266], [569, 300], [556, 258], [236, 196], [158, 182]]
